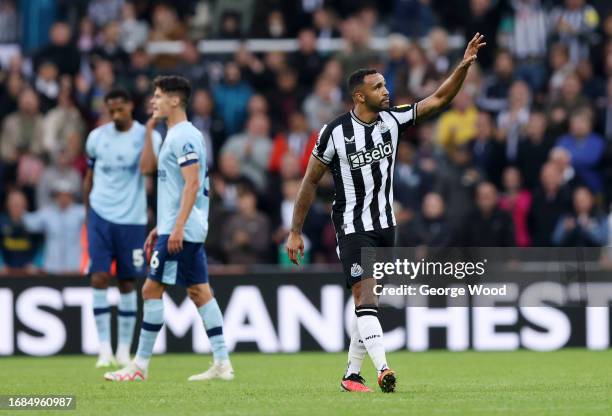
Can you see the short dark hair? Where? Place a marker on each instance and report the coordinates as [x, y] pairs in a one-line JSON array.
[[174, 84], [116, 93], [356, 78]]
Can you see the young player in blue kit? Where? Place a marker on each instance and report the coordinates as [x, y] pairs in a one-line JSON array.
[[116, 221], [177, 244]]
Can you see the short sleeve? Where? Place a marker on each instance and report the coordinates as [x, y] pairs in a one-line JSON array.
[[184, 148], [405, 115], [324, 149], [90, 147], [157, 142]]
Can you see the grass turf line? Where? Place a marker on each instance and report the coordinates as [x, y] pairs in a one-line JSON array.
[[566, 382]]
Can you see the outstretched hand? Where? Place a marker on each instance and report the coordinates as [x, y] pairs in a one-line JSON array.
[[474, 45]]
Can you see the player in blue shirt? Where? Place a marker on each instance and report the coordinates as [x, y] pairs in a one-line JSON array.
[[177, 244], [116, 215]]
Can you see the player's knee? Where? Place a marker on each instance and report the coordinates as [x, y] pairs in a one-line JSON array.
[[152, 290], [199, 294], [126, 286], [363, 293], [100, 280]]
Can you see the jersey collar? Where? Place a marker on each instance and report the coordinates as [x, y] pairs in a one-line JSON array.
[[363, 123]]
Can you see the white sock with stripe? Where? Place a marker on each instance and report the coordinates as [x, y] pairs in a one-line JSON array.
[[372, 335]]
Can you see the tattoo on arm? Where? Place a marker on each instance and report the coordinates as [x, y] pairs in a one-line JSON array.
[[307, 192]]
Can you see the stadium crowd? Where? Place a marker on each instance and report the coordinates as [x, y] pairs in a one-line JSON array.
[[523, 156]]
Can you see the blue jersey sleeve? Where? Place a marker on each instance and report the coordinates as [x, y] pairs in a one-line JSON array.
[[186, 149], [90, 147]]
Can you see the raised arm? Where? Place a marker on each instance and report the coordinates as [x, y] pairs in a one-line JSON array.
[[306, 194], [451, 86], [148, 161]]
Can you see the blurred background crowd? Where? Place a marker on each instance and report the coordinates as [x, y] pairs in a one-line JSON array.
[[522, 157]]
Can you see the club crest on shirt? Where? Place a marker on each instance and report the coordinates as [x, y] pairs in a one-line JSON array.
[[356, 270], [382, 127]]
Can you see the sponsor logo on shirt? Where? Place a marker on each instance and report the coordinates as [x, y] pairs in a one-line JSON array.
[[364, 157]]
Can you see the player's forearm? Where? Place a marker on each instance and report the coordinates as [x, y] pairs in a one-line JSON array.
[[451, 86], [87, 185], [188, 198], [304, 200], [148, 162]]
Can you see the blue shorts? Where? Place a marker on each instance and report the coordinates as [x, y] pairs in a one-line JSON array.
[[108, 241], [187, 267]]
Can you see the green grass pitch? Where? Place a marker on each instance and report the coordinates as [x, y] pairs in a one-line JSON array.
[[567, 382]]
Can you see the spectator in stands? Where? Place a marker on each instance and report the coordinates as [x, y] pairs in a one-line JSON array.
[[288, 97], [86, 37], [527, 39], [496, 87], [92, 96], [60, 171], [413, 18], [488, 226], [534, 148], [18, 246], [60, 50], [457, 126], [396, 64], [47, 85], [593, 87], [511, 121], [561, 159], [231, 97], [61, 223], [561, 67], [420, 78], [575, 25], [298, 141], [104, 11], [550, 201], [64, 127], [586, 149], [410, 182], [430, 227], [289, 188], [455, 181], [166, 26], [484, 17], [439, 53], [134, 32], [110, 47], [246, 233], [22, 131], [192, 66], [604, 116], [568, 102], [323, 104], [204, 118], [252, 148], [9, 22], [307, 60], [9, 93], [488, 153], [516, 201], [357, 53], [585, 226]]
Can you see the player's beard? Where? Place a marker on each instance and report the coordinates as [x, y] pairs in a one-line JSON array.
[[378, 106]]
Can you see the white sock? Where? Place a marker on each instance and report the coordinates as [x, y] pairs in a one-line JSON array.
[[106, 350], [142, 363], [372, 335], [123, 350], [356, 352]]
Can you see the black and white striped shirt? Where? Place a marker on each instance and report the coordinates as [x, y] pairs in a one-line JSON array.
[[361, 157]]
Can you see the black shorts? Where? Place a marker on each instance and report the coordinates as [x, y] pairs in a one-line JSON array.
[[349, 251]]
